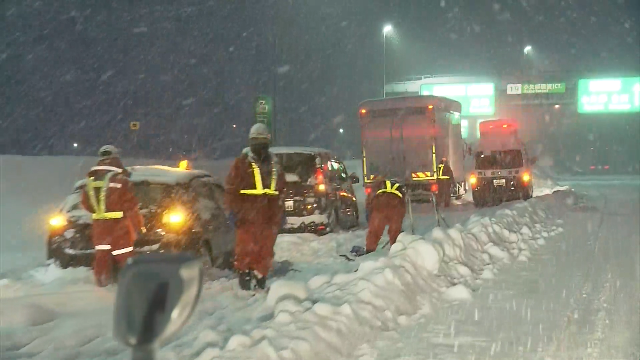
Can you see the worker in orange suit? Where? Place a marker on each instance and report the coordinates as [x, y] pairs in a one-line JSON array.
[[385, 206], [253, 198], [109, 197]]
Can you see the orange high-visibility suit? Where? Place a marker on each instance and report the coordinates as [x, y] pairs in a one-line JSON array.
[[109, 197], [253, 196], [386, 207]]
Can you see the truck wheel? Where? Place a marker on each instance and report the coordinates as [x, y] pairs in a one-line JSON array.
[[334, 220], [64, 263]]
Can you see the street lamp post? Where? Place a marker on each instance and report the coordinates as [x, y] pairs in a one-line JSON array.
[[385, 31]]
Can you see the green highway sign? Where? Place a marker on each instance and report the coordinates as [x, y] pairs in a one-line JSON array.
[[263, 107], [546, 88], [476, 99], [614, 95]]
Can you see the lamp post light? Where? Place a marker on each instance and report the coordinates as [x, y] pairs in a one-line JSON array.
[[387, 29], [528, 49]]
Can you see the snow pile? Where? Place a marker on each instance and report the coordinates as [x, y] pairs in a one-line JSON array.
[[543, 181], [330, 315]]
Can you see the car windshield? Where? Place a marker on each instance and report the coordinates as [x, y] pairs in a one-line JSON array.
[[149, 195], [300, 164], [508, 159]]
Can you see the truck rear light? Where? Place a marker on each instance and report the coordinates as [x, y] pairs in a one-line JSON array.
[[434, 188], [526, 177], [473, 180], [367, 190], [319, 176]]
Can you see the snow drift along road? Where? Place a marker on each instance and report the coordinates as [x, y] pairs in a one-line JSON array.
[[328, 316]]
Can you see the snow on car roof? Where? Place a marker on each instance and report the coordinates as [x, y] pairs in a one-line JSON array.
[[157, 174], [297, 149], [164, 174]]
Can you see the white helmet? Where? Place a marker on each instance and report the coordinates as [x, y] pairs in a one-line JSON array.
[[108, 151], [260, 132]]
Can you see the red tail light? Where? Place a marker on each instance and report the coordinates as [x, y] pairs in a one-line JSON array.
[[319, 176], [434, 188], [367, 190], [606, 167], [592, 167]]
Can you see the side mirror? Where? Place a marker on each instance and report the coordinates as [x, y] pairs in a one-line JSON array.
[[157, 294], [533, 160], [354, 178]]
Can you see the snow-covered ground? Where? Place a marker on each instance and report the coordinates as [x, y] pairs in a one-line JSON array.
[[541, 272], [578, 297]]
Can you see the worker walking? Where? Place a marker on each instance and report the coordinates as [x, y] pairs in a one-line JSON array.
[[109, 197], [385, 206], [445, 180], [253, 198]]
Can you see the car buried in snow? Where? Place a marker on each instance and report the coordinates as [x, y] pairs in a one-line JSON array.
[[182, 209], [319, 196]]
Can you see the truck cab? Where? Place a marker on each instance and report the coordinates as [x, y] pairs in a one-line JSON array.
[[502, 166]]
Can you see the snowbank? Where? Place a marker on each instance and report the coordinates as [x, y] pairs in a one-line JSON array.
[[328, 316], [544, 183]]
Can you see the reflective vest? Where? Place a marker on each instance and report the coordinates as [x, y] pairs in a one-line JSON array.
[[99, 204], [390, 189], [440, 168], [260, 190]]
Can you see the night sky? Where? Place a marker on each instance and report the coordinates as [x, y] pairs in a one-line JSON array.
[[188, 70]]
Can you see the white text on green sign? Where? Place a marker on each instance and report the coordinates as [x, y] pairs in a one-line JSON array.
[[609, 95], [543, 88], [476, 99]]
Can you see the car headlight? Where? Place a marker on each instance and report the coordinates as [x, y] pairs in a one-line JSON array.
[[58, 221], [174, 218]]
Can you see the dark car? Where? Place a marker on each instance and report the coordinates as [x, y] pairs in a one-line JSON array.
[[182, 210], [319, 196]]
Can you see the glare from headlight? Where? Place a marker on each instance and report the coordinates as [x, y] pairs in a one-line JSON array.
[[58, 221], [174, 217]]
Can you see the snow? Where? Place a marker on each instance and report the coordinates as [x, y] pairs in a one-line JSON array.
[[297, 149], [486, 287], [164, 174], [294, 222]]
